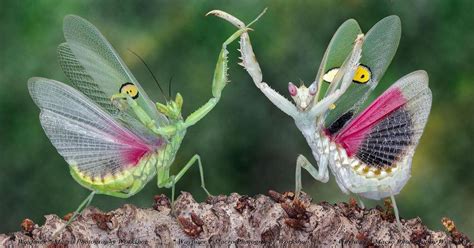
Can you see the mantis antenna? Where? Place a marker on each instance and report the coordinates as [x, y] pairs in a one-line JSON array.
[[149, 70]]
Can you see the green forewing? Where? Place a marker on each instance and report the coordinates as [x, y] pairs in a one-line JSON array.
[[83, 133], [81, 80], [379, 47], [339, 48], [95, 68]]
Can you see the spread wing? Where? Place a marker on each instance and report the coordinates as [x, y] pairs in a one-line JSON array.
[[95, 68], [338, 50], [389, 129], [83, 133], [379, 47]]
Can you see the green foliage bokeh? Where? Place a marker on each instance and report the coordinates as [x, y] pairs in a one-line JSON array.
[[246, 144]]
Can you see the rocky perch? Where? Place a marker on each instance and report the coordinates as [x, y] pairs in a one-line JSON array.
[[275, 220]]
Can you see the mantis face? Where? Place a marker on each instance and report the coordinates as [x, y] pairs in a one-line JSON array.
[[302, 96], [172, 109]]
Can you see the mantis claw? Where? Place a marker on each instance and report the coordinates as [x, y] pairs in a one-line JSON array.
[[250, 64], [228, 17], [234, 20], [249, 61]]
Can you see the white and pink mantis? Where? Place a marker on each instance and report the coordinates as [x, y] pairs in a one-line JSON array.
[[370, 151]]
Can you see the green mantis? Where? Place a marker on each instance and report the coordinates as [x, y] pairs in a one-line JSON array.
[[113, 137]]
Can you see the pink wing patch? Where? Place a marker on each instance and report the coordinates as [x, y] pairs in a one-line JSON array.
[[389, 129], [353, 134], [136, 147], [87, 136]]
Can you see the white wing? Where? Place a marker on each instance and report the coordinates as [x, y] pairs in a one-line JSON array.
[[95, 68], [84, 134]]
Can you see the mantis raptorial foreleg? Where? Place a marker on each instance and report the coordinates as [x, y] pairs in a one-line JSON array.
[[144, 118], [219, 81], [350, 65], [250, 64], [302, 162], [278, 100]]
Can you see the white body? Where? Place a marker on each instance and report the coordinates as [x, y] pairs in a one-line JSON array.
[[350, 173], [374, 181]]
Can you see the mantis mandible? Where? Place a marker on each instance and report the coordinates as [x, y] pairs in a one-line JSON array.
[[370, 151]]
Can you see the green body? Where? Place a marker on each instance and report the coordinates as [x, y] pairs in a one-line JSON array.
[[131, 181], [165, 121]]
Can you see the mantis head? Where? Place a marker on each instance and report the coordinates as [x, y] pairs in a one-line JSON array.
[[172, 109], [302, 96]]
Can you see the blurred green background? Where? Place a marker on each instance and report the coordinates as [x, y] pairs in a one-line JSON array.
[[247, 145]]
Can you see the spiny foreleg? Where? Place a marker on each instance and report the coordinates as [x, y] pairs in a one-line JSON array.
[[219, 81], [124, 100], [345, 77], [249, 62]]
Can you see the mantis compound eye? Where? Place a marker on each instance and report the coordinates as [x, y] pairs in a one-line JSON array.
[[313, 89], [292, 89]]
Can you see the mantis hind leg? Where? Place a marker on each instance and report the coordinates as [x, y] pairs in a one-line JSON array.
[[395, 211], [173, 184], [78, 211], [361, 203], [302, 162], [188, 165], [174, 179], [298, 184]]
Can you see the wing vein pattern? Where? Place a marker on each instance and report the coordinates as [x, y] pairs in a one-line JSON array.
[[84, 134], [389, 129], [87, 52]]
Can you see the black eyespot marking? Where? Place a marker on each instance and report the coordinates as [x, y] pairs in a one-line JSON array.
[[362, 75], [339, 123], [130, 89]]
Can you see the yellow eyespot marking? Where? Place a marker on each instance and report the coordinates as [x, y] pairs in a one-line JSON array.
[[130, 89], [330, 75], [332, 106], [362, 74]]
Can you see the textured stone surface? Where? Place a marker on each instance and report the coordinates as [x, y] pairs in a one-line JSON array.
[[275, 220]]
